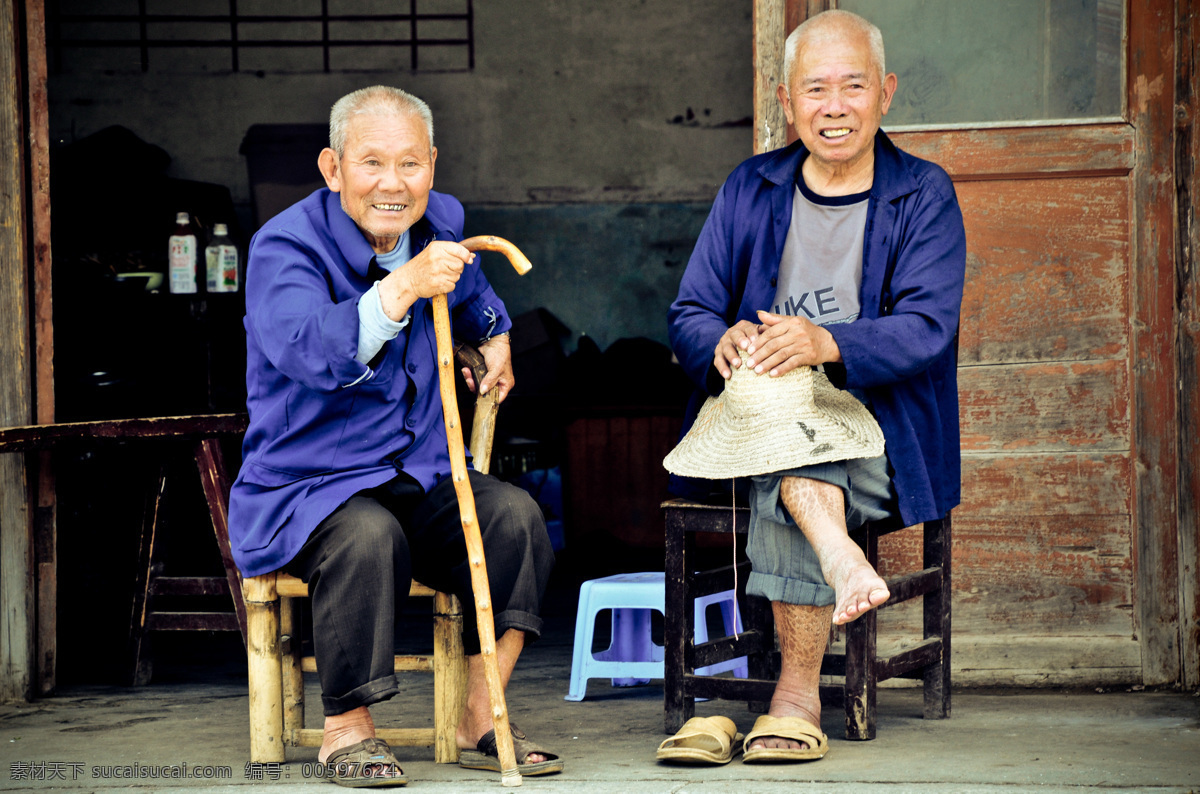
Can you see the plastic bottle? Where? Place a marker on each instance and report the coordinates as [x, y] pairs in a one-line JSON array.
[[181, 263], [221, 261]]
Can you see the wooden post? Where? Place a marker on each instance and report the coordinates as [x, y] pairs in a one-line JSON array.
[[1187, 189], [770, 126], [449, 676], [265, 670], [1155, 403], [45, 516], [18, 670], [773, 21]]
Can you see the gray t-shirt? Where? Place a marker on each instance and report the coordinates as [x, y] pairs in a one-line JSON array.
[[820, 273]]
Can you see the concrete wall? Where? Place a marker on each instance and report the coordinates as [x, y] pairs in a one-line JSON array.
[[597, 118]]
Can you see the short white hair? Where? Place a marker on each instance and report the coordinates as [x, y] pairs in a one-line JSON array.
[[376, 100], [825, 24]]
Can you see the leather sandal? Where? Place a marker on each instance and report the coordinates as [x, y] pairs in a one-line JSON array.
[[366, 764], [487, 756]]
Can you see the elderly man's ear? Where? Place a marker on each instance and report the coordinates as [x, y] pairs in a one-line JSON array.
[[327, 162]]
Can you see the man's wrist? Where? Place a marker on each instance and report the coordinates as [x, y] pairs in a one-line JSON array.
[[505, 335]]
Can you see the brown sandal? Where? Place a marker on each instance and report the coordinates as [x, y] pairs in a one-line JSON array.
[[486, 756]]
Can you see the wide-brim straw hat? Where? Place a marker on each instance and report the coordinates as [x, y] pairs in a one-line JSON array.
[[760, 425]]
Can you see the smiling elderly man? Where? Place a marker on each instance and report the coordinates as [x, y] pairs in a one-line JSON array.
[[845, 253], [345, 480]]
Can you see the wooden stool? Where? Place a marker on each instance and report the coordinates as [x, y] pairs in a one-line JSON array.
[[860, 667], [150, 582]]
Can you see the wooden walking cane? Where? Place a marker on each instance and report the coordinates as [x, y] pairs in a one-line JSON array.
[[509, 775]]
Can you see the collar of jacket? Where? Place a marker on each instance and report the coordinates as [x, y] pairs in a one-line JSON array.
[[355, 249], [892, 176]]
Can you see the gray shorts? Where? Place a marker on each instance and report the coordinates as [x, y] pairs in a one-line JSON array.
[[784, 566]]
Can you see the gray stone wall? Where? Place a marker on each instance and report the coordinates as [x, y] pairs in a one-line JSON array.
[[595, 132]]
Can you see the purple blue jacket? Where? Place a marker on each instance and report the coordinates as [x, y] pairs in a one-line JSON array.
[[902, 350], [324, 426]]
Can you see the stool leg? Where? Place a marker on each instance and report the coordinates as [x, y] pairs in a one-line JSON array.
[[582, 650], [936, 608], [861, 674], [293, 677], [265, 671], [449, 676], [679, 625]]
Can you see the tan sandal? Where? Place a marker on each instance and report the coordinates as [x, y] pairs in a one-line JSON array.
[[702, 740], [795, 728]]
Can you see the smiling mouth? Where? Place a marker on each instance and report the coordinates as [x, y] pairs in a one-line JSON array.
[[391, 207], [842, 132]]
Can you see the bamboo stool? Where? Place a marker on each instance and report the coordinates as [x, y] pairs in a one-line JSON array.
[[276, 667], [277, 682]]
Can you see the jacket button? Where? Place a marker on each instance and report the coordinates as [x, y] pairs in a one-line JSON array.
[[412, 367], [411, 421]]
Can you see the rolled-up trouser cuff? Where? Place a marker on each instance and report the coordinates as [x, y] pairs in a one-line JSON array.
[[371, 692], [789, 591]]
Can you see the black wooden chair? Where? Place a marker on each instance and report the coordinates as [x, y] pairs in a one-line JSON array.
[[860, 668]]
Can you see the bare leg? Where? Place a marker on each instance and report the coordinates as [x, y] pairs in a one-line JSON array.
[[477, 714], [818, 508], [803, 632]]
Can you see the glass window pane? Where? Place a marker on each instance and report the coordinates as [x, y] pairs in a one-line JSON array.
[[1016, 60]]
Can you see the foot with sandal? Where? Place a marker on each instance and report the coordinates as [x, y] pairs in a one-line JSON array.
[[478, 746]]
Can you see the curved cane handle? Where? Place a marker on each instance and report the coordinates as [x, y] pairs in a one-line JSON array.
[[488, 242]]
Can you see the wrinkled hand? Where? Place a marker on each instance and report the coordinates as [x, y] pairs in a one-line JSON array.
[[434, 271], [784, 343], [497, 354], [740, 337]]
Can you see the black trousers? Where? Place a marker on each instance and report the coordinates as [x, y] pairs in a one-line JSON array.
[[359, 562]]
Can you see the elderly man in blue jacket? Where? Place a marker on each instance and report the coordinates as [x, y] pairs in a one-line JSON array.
[[842, 252], [345, 472]]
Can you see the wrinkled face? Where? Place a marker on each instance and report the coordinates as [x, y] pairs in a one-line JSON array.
[[384, 175], [836, 99]]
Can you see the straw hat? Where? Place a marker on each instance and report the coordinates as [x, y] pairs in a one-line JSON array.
[[761, 424]]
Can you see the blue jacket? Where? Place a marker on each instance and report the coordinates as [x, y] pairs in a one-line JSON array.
[[902, 349], [324, 426]]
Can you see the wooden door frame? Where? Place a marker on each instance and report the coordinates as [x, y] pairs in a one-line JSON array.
[[1187, 233], [17, 589], [28, 590], [1162, 90], [1153, 355]]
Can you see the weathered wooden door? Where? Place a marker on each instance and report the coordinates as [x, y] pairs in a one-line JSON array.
[[1075, 542]]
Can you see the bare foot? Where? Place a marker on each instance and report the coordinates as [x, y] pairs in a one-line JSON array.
[[859, 589]]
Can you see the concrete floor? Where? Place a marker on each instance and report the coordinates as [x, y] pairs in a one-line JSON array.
[[997, 741]]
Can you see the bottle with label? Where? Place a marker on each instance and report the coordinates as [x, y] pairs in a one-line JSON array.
[[181, 263], [221, 261]]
